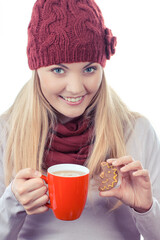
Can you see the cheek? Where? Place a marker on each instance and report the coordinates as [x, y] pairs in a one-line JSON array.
[[93, 86], [50, 87]]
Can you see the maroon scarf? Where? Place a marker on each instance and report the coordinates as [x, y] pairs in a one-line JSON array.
[[68, 143]]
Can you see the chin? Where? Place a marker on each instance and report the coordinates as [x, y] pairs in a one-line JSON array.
[[76, 115]]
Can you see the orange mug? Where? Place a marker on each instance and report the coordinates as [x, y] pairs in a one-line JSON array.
[[68, 189]]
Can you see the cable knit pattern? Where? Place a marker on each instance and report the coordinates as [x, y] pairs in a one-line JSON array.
[[66, 31]]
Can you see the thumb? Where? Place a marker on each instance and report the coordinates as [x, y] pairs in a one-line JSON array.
[[28, 173], [115, 192]]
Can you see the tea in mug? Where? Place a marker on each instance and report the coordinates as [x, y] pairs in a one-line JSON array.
[[68, 173]]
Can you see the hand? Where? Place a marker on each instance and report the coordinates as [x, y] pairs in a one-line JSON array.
[[135, 188], [30, 191]]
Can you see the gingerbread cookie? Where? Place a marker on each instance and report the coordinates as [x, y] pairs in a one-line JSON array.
[[108, 177]]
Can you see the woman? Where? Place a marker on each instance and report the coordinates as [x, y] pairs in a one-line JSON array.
[[68, 101]]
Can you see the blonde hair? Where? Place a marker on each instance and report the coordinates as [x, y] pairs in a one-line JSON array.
[[30, 116]]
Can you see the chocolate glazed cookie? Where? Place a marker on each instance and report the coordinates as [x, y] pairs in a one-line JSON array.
[[108, 177]]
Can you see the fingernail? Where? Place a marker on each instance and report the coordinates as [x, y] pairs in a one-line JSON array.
[[37, 174], [109, 160], [114, 163], [123, 168]]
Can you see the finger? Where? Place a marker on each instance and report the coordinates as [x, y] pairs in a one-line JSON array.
[[32, 196], [133, 166], [39, 210], [37, 203], [29, 186], [28, 173], [111, 193], [142, 173], [122, 161], [33, 184], [111, 160]]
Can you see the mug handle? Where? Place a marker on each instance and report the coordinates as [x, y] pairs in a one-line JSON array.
[[46, 181]]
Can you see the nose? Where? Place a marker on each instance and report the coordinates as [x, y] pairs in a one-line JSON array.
[[75, 85]]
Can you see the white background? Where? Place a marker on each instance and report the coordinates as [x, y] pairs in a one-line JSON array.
[[134, 72]]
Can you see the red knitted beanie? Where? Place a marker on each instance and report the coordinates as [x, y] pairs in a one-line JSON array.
[[67, 31]]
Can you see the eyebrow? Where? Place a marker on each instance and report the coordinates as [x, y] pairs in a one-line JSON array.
[[87, 65], [68, 68], [62, 66]]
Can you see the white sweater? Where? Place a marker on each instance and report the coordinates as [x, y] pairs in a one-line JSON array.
[[96, 222]]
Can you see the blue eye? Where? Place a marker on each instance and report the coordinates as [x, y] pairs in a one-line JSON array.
[[90, 69], [58, 70]]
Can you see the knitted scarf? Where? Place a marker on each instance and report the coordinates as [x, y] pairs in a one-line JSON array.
[[68, 143]]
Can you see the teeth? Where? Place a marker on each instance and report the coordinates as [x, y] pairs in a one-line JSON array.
[[73, 99]]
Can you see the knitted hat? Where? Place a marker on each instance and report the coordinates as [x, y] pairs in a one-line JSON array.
[[67, 31]]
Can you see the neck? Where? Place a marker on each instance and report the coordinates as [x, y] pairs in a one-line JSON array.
[[64, 119]]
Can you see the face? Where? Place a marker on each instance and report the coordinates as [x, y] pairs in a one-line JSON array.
[[70, 87]]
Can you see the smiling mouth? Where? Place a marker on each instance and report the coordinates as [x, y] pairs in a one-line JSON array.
[[73, 100]]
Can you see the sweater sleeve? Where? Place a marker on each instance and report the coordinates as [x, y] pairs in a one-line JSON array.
[[148, 222], [148, 145], [12, 216], [12, 213]]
